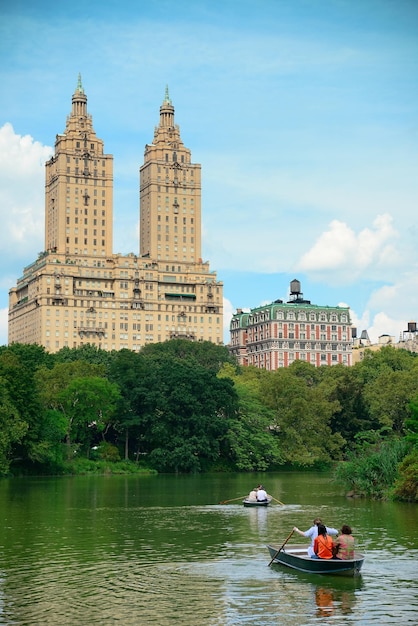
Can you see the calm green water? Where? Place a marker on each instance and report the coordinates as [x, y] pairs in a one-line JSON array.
[[161, 550]]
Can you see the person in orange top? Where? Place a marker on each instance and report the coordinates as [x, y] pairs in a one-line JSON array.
[[323, 544]]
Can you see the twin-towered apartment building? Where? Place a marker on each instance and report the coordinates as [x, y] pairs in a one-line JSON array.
[[78, 291]]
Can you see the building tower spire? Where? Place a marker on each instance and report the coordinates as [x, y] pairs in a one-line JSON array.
[[166, 111], [79, 100], [167, 96], [79, 84]]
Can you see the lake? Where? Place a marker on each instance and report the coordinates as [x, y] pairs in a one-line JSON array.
[[162, 550]]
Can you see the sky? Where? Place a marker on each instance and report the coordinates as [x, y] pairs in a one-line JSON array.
[[302, 113]]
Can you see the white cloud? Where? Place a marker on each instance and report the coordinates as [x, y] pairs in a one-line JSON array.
[[399, 298], [388, 312], [22, 185], [379, 324], [3, 326], [384, 325], [360, 322], [22, 172], [228, 313], [344, 255], [394, 305]]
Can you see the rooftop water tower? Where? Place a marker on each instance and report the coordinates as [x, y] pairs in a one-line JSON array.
[[296, 295]]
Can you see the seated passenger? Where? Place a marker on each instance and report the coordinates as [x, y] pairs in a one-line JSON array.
[[323, 544], [252, 496], [344, 544]]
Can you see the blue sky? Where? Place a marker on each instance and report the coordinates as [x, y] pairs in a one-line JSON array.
[[302, 113]]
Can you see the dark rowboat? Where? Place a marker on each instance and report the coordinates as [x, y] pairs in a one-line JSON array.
[[248, 502], [296, 557]]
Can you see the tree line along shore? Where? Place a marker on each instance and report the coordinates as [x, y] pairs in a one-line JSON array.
[[184, 407]]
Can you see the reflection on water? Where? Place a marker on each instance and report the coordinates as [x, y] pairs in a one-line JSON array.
[[324, 599], [128, 550], [331, 601]]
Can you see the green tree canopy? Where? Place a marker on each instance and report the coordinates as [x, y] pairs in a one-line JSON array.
[[12, 427], [184, 410], [303, 412], [18, 366], [58, 392], [88, 404], [203, 353], [252, 444], [388, 397]]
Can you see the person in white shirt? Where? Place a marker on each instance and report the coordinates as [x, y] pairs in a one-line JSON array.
[[261, 494], [312, 533]]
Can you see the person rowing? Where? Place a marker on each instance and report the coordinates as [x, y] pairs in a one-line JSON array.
[[312, 533], [261, 494]]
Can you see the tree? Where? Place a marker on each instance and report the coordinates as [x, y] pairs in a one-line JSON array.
[[252, 445], [184, 411], [129, 370], [87, 353], [387, 359], [388, 398], [12, 427], [303, 413], [344, 386], [31, 356], [88, 404], [411, 423], [18, 366], [203, 353], [59, 393]]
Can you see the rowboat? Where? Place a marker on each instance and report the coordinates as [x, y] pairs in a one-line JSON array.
[[248, 502], [297, 557]]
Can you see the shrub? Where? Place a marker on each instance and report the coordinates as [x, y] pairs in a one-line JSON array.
[[406, 486], [373, 471], [108, 452]]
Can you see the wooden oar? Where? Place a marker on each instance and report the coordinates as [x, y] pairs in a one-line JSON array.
[[277, 500], [232, 499], [281, 547]]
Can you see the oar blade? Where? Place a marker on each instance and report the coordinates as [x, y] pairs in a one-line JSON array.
[[281, 547], [232, 500]]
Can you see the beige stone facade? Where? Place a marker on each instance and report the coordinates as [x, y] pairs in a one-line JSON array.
[[78, 291], [277, 334], [408, 340], [170, 193]]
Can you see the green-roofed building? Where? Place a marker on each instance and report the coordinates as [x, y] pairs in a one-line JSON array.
[[277, 334]]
